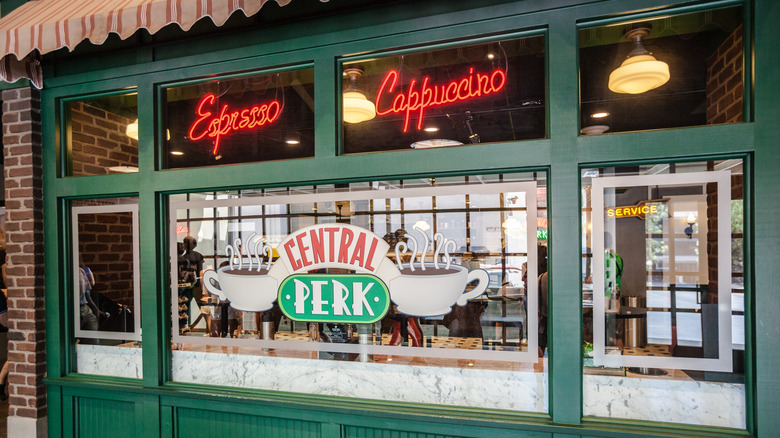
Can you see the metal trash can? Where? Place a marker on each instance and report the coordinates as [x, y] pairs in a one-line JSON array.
[[633, 311]]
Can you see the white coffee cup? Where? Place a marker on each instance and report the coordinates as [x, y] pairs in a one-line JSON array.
[[432, 292], [248, 291]]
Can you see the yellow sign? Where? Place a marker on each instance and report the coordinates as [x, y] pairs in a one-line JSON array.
[[639, 210]]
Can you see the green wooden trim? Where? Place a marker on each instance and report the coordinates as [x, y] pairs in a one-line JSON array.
[[748, 224], [356, 412], [239, 75], [330, 430], [54, 408], [565, 320], [152, 318], [56, 340], [766, 239], [615, 427], [483, 39], [659, 12], [470, 159], [148, 416], [672, 143], [327, 104]]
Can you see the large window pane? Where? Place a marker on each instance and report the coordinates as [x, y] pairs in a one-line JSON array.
[[461, 293], [106, 291], [664, 318], [102, 135]]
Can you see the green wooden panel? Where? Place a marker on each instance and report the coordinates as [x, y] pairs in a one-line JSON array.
[[766, 398], [204, 423], [564, 212], [101, 418], [447, 431], [365, 432]]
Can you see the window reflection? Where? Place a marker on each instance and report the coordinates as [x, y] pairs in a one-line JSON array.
[[106, 290], [662, 284], [703, 52], [102, 135]]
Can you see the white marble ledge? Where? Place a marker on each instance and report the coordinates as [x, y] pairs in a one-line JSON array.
[[489, 389], [103, 360], [672, 401]]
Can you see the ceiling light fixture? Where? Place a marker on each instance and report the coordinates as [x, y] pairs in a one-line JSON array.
[[640, 72], [123, 169], [132, 130], [594, 129], [357, 108], [177, 153], [293, 139], [431, 129], [599, 115], [434, 143]]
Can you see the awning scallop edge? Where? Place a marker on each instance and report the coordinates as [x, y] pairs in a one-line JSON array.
[[42, 26]]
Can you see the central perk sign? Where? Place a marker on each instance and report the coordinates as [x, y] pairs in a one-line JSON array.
[[358, 298], [362, 290]]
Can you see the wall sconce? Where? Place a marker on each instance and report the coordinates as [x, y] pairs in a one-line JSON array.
[[132, 130], [640, 72], [691, 222], [357, 108]]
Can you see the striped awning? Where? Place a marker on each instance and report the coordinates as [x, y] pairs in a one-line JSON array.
[[42, 26]]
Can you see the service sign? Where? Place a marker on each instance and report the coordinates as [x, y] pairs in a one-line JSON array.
[[640, 210]]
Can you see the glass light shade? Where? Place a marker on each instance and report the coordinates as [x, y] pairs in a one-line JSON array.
[[638, 74], [132, 130], [357, 108]]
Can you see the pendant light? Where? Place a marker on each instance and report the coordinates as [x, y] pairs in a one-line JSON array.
[[640, 72], [357, 108]]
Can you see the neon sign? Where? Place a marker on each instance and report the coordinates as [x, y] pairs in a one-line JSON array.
[[640, 210], [431, 95], [229, 121]]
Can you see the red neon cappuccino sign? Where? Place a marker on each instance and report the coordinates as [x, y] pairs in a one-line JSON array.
[[416, 101], [215, 126]]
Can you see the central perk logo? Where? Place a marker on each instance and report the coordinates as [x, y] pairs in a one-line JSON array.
[[342, 298], [251, 282]]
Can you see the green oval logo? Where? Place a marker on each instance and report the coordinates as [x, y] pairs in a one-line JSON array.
[[341, 298]]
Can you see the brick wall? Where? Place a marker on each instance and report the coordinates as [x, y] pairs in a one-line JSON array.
[[99, 141], [24, 246], [106, 247], [724, 81]]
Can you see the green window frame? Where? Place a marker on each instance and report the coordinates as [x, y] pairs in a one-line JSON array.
[[562, 156]]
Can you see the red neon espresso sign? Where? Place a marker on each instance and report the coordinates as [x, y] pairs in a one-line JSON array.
[[229, 121], [416, 101]]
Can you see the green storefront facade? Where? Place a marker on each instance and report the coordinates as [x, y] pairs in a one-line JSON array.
[[320, 38]]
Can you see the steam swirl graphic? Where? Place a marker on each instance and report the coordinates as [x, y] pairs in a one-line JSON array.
[[440, 242]]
